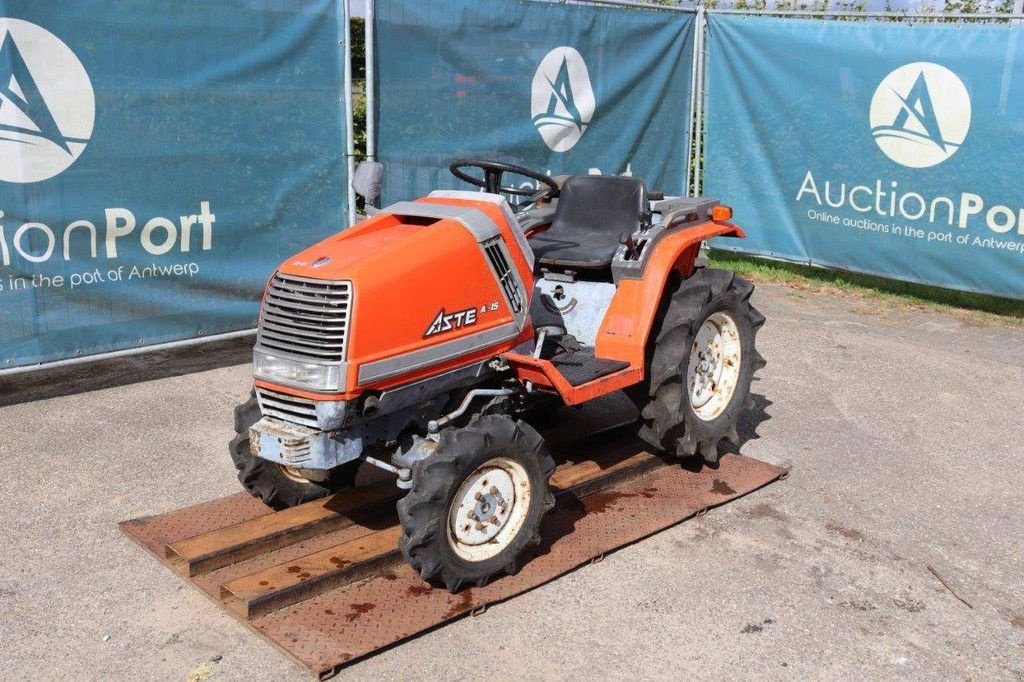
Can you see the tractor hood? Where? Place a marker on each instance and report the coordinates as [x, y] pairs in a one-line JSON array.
[[344, 255], [413, 290]]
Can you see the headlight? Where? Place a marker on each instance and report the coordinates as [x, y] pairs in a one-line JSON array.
[[297, 373]]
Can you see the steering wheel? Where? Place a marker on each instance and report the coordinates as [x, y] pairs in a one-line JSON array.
[[493, 170]]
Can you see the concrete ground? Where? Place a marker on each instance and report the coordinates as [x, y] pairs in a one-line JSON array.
[[902, 429]]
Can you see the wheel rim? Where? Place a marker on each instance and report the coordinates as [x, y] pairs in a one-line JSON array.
[[714, 368], [292, 474], [489, 509]]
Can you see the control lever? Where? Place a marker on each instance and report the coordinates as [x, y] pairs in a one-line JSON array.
[[626, 239]]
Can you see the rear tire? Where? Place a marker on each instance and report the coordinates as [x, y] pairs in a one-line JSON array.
[[702, 362], [278, 486], [476, 502]]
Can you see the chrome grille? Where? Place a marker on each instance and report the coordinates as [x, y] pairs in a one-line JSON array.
[[307, 318], [495, 250], [286, 407]]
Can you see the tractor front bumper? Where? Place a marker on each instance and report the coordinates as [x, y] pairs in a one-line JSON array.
[[301, 447]]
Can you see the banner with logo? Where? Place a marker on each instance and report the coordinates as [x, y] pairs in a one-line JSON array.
[[157, 161], [880, 148], [557, 88]]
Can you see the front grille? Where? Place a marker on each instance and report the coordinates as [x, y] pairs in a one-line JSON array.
[[286, 407], [307, 318], [495, 250]]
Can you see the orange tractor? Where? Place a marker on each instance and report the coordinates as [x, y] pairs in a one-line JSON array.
[[418, 338]]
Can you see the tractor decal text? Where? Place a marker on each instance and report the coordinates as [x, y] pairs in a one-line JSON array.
[[446, 322]]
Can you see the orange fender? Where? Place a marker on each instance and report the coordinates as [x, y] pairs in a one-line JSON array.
[[627, 324]]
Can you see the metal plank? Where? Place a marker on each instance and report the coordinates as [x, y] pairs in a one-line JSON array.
[[332, 629]]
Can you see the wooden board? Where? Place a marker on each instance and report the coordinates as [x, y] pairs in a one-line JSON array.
[[229, 545]]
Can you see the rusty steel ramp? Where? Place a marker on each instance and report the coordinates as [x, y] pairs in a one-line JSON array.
[[325, 580]]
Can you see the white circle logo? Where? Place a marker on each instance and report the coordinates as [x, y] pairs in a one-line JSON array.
[[920, 114], [562, 101], [47, 105]]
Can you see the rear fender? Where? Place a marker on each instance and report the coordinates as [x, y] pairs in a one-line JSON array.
[[627, 324]]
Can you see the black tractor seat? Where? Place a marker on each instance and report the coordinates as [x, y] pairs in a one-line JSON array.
[[593, 215]]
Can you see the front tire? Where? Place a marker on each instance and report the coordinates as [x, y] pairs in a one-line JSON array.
[[476, 502], [278, 486], [703, 362]]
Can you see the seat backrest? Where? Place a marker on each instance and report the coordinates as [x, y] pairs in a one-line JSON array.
[[612, 204]]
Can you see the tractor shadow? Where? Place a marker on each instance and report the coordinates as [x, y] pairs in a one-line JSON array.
[[595, 421], [561, 522], [749, 422], [572, 507]]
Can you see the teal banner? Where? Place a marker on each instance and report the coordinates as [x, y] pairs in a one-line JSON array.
[[883, 148], [157, 161], [559, 88]]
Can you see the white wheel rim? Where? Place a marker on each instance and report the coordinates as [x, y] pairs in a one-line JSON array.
[[293, 474], [489, 509], [714, 368]]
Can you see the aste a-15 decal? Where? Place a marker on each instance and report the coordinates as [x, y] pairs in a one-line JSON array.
[[446, 322]]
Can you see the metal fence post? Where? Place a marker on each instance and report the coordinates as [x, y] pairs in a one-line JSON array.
[[371, 93], [690, 114], [698, 132], [350, 146]]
